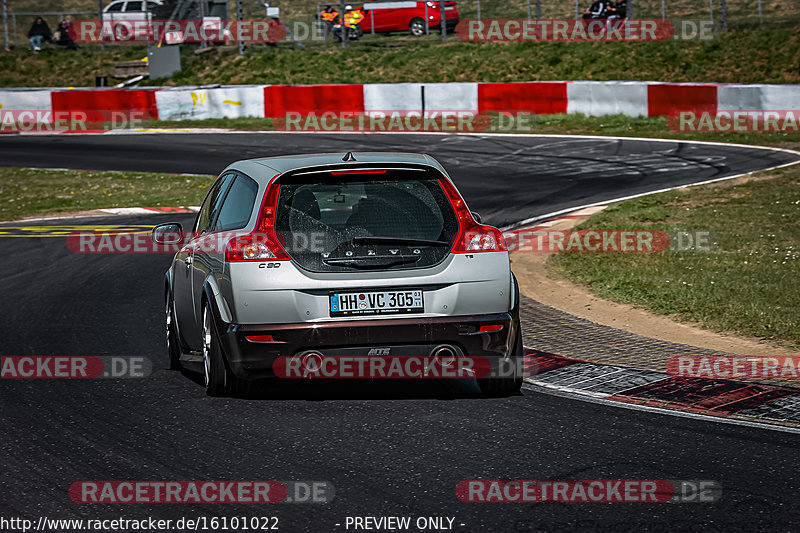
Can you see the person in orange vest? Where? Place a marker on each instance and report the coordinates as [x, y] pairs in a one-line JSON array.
[[353, 17], [328, 14], [352, 21], [328, 18]]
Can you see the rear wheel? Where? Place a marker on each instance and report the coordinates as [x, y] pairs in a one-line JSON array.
[[219, 380], [173, 345], [417, 27], [510, 381]]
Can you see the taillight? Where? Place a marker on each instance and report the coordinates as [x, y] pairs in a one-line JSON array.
[[262, 244], [254, 247], [472, 237]]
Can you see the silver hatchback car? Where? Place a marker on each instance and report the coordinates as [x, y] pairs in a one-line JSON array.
[[324, 256]]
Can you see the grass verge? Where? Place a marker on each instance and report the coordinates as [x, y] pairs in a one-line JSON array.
[[747, 285], [31, 192]]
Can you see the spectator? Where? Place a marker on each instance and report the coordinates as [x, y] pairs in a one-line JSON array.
[[39, 33], [596, 10], [610, 11], [62, 37]]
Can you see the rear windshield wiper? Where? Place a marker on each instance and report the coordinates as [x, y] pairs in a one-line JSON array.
[[398, 240], [383, 261]]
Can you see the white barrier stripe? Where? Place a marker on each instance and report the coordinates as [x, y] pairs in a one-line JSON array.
[[593, 98]]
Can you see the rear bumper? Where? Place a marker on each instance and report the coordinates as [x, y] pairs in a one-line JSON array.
[[404, 336]]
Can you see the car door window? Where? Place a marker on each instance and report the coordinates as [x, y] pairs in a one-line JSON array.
[[133, 6], [115, 8], [238, 204], [207, 214]]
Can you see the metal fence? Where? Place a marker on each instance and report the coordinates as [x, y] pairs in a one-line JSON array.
[[19, 22]]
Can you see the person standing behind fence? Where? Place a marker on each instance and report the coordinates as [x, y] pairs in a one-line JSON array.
[[39, 33], [328, 18], [62, 37]]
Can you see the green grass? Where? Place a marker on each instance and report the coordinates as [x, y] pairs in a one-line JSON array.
[[28, 192], [248, 123], [746, 56], [769, 56], [750, 284]]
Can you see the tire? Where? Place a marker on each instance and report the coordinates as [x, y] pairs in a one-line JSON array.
[[173, 342], [417, 27], [219, 380], [498, 386]]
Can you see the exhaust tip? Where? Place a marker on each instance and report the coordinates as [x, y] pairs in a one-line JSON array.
[[310, 361], [445, 354]]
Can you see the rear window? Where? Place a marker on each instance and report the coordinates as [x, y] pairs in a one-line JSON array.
[[397, 220]]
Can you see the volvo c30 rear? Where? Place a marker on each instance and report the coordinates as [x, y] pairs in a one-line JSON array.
[[368, 255]]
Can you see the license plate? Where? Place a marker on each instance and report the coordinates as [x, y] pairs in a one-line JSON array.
[[376, 302]]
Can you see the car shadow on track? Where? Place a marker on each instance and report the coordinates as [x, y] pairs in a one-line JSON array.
[[351, 389]]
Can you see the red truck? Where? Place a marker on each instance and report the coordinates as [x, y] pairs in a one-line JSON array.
[[390, 16]]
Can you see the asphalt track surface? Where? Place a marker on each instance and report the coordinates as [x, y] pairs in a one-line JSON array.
[[389, 449], [506, 178]]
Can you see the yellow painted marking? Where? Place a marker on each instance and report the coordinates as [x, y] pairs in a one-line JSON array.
[[232, 102], [66, 230], [198, 98]]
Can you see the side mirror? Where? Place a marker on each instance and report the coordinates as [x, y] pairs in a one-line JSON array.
[[168, 234], [476, 216]]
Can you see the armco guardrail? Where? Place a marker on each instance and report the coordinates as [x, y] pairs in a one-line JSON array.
[[594, 98]]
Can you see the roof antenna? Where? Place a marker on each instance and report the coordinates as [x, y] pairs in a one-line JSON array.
[[348, 157]]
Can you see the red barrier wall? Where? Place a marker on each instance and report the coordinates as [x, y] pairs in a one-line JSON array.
[[545, 98], [670, 99], [306, 99], [101, 102]]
